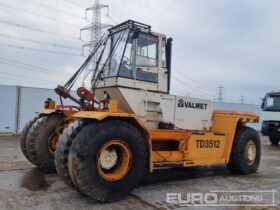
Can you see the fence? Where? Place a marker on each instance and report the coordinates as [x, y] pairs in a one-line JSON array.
[[18, 105]]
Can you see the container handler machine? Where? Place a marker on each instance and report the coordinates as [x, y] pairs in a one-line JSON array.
[[128, 122]]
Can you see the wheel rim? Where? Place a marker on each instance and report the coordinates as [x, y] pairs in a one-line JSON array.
[[53, 141], [114, 160], [250, 152]]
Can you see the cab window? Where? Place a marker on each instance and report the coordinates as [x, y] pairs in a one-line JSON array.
[[146, 50], [126, 65]]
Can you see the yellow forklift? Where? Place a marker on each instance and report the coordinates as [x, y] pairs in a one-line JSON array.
[[128, 122]]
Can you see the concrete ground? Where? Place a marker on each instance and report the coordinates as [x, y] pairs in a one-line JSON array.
[[22, 186]]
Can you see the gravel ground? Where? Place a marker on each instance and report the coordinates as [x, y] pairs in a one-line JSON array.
[[23, 187]]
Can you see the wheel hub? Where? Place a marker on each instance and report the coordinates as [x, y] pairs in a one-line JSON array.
[[52, 142], [113, 160], [108, 159], [250, 152]]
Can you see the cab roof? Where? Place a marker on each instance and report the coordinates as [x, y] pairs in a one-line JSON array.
[[129, 24], [273, 93]]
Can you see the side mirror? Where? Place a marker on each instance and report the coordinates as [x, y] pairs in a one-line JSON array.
[[262, 104]]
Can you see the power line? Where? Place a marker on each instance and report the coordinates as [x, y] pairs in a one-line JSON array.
[[75, 3], [190, 93], [41, 68], [193, 80], [37, 29], [204, 87], [114, 20], [206, 92], [39, 42], [55, 9], [18, 80], [39, 50], [12, 78], [22, 77], [38, 15], [30, 69], [193, 86], [176, 90], [199, 91]]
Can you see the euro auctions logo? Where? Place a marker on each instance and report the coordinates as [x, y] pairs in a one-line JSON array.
[[192, 198], [223, 198]]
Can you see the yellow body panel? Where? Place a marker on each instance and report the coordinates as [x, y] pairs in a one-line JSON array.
[[182, 148], [204, 147], [68, 113], [194, 148], [45, 111], [226, 122], [101, 115]]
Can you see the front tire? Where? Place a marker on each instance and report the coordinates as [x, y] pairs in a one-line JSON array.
[[246, 151], [38, 142], [62, 150], [107, 160], [274, 141]]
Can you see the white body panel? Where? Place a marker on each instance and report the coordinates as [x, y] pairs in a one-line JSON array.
[[130, 83], [184, 112], [270, 116], [193, 113]]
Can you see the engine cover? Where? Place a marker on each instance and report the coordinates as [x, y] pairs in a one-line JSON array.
[[187, 112], [193, 113]]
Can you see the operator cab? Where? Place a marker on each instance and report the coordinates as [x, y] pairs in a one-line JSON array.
[[271, 116], [135, 57], [132, 69]]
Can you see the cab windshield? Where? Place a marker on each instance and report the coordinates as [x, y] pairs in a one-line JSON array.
[[112, 54], [272, 103]]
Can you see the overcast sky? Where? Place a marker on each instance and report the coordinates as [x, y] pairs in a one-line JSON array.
[[234, 43]]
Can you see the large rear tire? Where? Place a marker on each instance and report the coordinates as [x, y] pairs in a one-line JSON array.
[[107, 160], [62, 150], [38, 142], [23, 136], [274, 141], [246, 151]]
